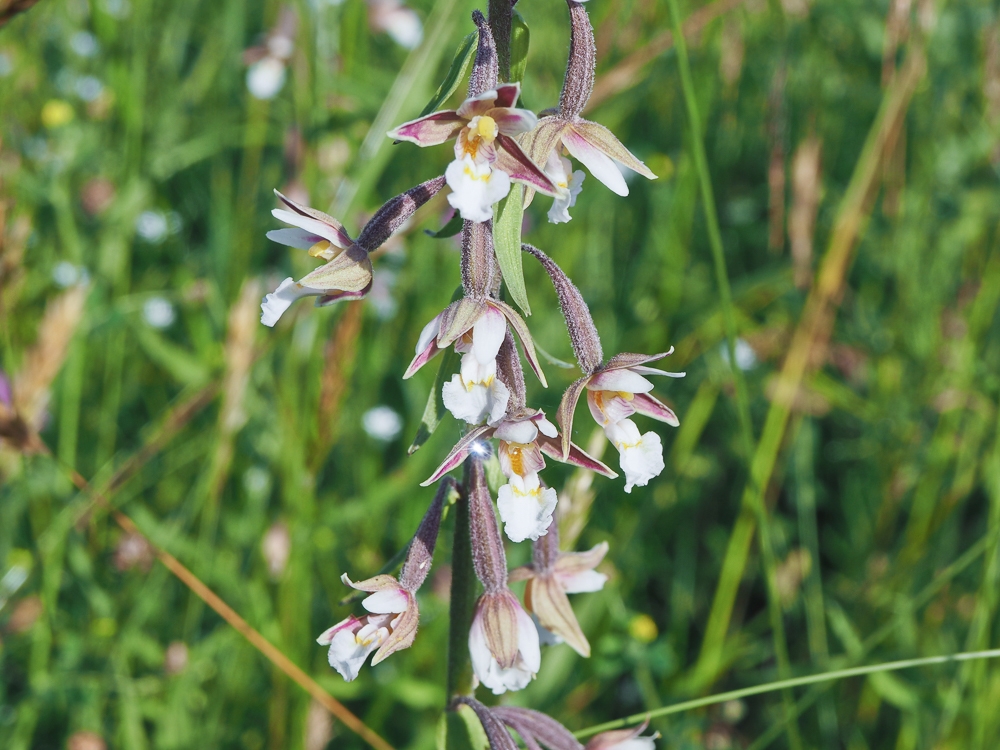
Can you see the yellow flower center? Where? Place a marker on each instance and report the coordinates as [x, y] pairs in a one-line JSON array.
[[487, 128], [322, 249], [515, 452]]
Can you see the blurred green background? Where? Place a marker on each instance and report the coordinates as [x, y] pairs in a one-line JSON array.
[[136, 171]]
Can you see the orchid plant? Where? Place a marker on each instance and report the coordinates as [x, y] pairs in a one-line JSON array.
[[501, 152]]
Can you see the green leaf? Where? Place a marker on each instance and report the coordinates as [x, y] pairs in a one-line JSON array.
[[519, 36], [554, 360], [434, 411], [453, 227], [464, 55], [507, 244]]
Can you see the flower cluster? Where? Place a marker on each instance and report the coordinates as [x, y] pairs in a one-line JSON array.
[[498, 147]]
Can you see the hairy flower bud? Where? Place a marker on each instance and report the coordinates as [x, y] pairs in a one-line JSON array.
[[488, 556], [537, 729], [485, 71], [582, 332], [417, 564], [497, 735], [511, 374], [579, 80], [480, 272], [395, 212]]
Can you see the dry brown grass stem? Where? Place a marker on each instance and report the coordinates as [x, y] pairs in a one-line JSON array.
[[809, 344], [227, 613], [625, 74], [337, 369], [11, 8]]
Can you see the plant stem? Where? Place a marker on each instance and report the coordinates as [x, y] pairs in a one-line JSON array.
[[769, 687], [501, 20], [742, 402], [463, 590]]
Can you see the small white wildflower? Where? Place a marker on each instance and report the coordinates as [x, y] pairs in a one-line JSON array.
[[382, 423], [151, 226], [84, 44], [88, 88], [117, 8], [266, 77], [158, 312], [66, 274], [746, 357]]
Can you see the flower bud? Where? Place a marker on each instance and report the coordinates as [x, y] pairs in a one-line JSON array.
[[488, 556], [395, 212], [480, 272], [582, 331], [510, 373], [418, 559], [579, 80], [485, 70]]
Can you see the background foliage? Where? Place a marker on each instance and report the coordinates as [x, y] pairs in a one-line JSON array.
[[133, 156]]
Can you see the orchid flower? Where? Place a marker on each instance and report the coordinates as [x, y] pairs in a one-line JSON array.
[[477, 329], [500, 619], [566, 133], [525, 506], [391, 626], [346, 275], [348, 271], [616, 391], [487, 158], [551, 576], [392, 622]]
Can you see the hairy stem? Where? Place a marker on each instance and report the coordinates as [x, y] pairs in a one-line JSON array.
[[501, 21]]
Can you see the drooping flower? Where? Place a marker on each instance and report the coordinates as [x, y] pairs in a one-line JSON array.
[[391, 626], [347, 273], [487, 158], [551, 576], [615, 391], [503, 643], [567, 133], [475, 393], [503, 640], [392, 622]]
